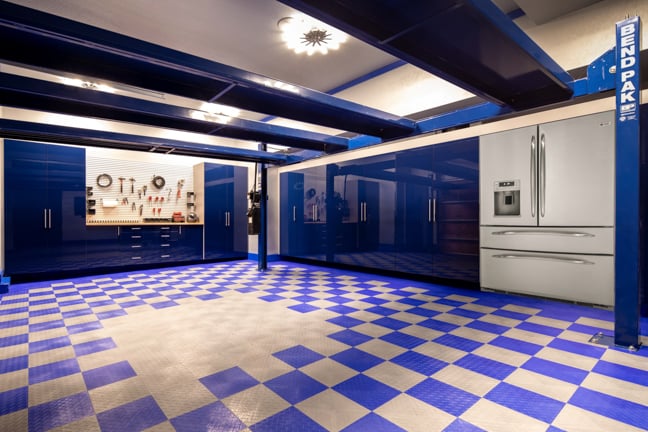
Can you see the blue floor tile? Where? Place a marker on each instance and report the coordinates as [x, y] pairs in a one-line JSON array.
[[588, 330], [295, 386], [556, 370], [298, 356], [373, 422], [516, 345], [71, 302], [538, 328], [111, 314], [52, 371], [381, 310], [375, 300], [485, 366], [289, 420], [49, 344], [134, 416], [108, 374], [450, 302], [345, 321], [411, 301], [443, 396], [47, 325], [214, 417], [42, 312], [13, 364], [458, 342], [14, 340], [303, 308], [466, 313], [84, 327], [510, 314], [357, 359], [164, 304], [419, 362], [391, 323], [460, 425], [16, 310], [420, 311], [403, 340], [210, 296], [366, 391], [441, 326], [59, 412], [132, 303], [13, 400], [228, 382], [91, 347], [532, 404], [14, 323], [101, 303], [621, 372], [350, 337], [612, 407], [577, 348]]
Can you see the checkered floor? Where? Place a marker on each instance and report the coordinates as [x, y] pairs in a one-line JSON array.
[[224, 347]]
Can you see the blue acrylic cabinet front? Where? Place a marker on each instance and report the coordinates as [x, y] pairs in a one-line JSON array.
[[225, 212], [44, 221]]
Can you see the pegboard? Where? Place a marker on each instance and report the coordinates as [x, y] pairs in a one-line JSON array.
[[130, 192]]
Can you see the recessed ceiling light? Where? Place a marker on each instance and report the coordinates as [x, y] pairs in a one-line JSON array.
[[304, 34]]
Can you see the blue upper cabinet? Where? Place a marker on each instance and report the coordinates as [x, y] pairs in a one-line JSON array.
[[44, 208], [225, 211]]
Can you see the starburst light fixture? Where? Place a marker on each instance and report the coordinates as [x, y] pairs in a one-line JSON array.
[[303, 34]]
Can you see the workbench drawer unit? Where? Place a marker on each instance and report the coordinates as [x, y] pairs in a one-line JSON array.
[[160, 244]]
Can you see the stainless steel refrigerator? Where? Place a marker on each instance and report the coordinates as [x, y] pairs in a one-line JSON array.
[[547, 210]]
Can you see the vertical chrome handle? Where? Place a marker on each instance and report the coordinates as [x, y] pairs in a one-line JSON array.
[[429, 209], [49, 218], [44, 218], [434, 212], [534, 180], [364, 211], [294, 213], [543, 175]]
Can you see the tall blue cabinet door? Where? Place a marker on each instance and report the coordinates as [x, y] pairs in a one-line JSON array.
[[456, 168], [292, 214], [416, 218], [44, 208], [367, 190], [66, 206], [225, 211]]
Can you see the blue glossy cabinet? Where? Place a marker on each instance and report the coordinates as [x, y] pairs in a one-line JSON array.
[[437, 220], [225, 211], [44, 207], [414, 211]]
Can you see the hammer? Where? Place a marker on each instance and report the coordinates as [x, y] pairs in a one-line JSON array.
[[132, 180], [121, 184]]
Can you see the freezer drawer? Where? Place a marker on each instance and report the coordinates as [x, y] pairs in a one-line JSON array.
[[580, 278], [564, 240]]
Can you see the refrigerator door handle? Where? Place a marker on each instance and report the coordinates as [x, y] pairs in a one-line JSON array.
[[534, 179], [543, 175], [49, 218], [294, 213], [544, 258], [429, 209], [434, 210], [543, 232], [44, 218]]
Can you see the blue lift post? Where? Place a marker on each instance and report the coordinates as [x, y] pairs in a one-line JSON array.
[[628, 247]]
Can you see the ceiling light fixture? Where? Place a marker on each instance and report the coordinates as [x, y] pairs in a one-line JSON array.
[[304, 34]]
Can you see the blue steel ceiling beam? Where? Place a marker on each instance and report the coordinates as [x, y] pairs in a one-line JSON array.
[[29, 93], [38, 39], [95, 138], [470, 43]]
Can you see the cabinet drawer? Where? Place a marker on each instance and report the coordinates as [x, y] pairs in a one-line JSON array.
[[567, 240], [580, 278]]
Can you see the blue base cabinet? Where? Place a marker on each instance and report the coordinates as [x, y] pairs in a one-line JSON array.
[[44, 207]]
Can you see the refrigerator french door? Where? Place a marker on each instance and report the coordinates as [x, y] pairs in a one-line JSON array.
[[547, 209]]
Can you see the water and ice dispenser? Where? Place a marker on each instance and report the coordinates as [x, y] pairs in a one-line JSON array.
[[507, 197]]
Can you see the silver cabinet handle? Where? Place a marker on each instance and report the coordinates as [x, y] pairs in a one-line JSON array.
[[49, 218], [544, 258], [434, 209], [44, 218], [544, 232], [229, 218], [165, 256], [136, 246], [429, 209], [543, 175], [294, 213], [534, 180]]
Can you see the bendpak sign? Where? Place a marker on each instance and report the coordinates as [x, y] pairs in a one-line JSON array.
[[628, 39]]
